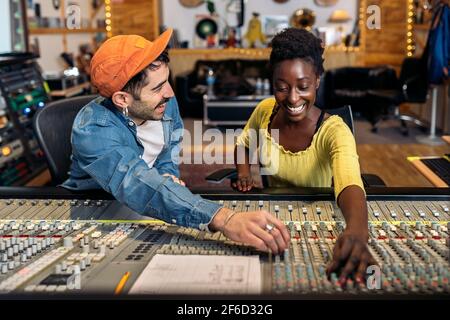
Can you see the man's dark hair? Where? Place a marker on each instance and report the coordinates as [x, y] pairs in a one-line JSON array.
[[294, 43], [140, 80]]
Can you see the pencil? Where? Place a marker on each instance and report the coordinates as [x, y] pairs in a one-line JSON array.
[[121, 283]]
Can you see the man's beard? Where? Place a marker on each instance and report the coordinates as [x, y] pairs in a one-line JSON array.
[[142, 111]]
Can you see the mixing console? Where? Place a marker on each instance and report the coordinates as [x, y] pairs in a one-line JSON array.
[[74, 246]]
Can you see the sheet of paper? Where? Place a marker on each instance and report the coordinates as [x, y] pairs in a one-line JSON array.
[[198, 274]]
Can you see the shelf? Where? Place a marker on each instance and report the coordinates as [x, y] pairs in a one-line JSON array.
[[241, 51], [261, 52], [64, 31]]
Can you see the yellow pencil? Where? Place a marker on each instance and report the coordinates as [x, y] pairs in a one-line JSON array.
[[121, 283]]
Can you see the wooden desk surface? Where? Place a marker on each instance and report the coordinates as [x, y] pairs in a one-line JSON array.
[[70, 92], [430, 175], [40, 180]]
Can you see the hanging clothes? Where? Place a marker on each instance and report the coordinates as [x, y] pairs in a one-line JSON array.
[[437, 50]]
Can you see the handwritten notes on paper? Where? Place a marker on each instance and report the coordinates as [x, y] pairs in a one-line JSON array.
[[198, 274]]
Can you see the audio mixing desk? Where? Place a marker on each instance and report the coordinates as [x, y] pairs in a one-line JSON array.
[[55, 242]]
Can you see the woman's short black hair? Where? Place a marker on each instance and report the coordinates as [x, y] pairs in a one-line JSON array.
[[294, 43]]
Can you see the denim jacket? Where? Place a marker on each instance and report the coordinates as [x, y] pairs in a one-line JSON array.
[[108, 154]]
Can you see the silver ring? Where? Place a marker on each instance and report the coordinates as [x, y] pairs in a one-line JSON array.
[[269, 227]]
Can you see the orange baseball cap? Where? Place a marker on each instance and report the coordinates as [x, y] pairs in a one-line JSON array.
[[122, 57]]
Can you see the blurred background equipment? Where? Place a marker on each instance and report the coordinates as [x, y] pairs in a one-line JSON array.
[[22, 93], [83, 59], [303, 18], [206, 31], [13, 26], [70, 77], [254, 33], [234, 18], [325, 3], [339, 17], [191, 3], [272, 24]]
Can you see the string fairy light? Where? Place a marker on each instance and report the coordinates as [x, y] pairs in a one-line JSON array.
[[409, 31], [108, 19]]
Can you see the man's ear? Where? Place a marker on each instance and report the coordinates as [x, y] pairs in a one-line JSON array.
[[122, 99]]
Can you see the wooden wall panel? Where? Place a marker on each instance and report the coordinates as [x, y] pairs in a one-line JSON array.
[[388, 44], [135, 17]]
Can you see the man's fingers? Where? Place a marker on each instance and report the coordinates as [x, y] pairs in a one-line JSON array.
[[268, 239], [257, 242], [261, 225], [276, 234], [279, 231], [280, 226]]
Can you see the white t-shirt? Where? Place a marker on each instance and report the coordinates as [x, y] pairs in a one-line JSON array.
[[151, 135]]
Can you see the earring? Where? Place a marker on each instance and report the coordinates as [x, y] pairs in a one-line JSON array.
[[125, 111]]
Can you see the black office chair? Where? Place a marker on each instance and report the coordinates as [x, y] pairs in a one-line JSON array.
[[53, 128], [369, 180], [410, 87]]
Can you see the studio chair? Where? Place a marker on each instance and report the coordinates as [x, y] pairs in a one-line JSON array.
[[369, 180], [376, 92], [359, 87], [53, 128], [410, 87]]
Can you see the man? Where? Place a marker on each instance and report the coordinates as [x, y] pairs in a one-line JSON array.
[[127, 142]]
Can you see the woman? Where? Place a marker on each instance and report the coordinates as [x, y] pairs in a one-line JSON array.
[[312, 146]]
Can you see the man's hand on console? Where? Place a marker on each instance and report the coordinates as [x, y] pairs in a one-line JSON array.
[[259, 229]]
